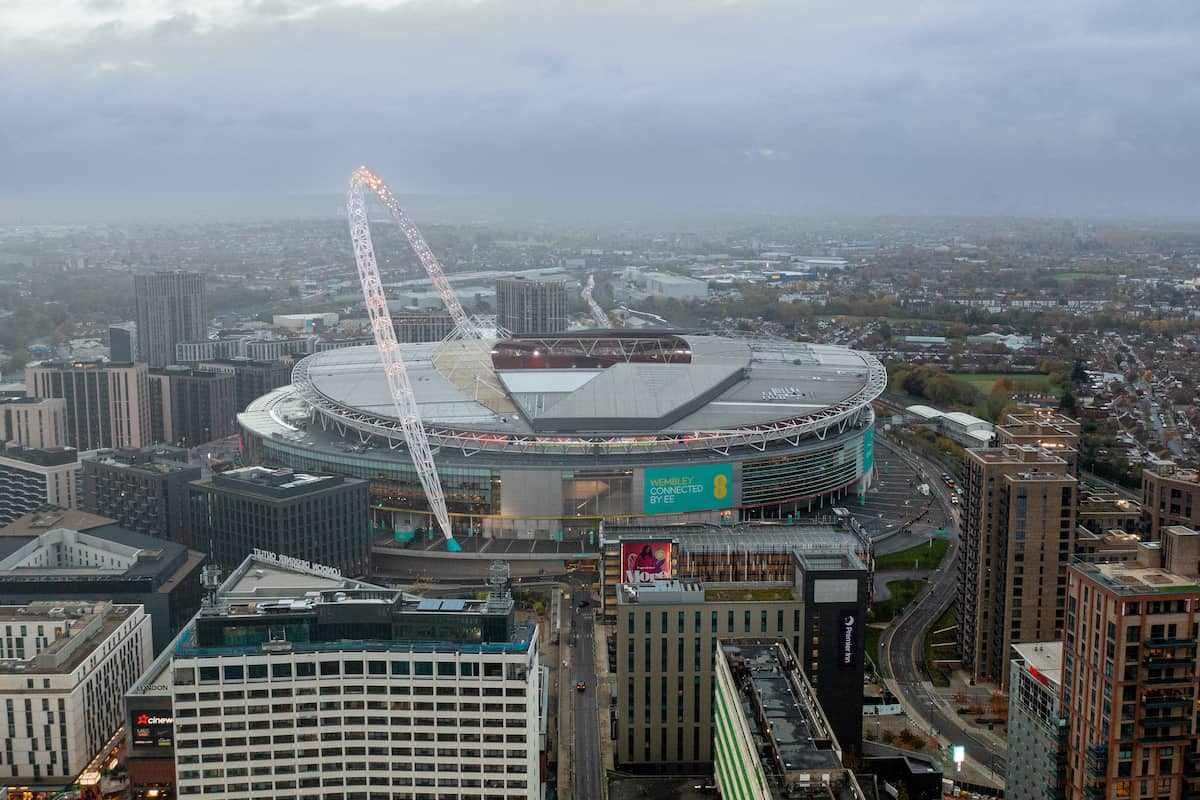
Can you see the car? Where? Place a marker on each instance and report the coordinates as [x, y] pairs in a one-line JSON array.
[[953, 499], [581, 686]]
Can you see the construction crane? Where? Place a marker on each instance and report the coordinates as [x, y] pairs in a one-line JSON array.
[[403, 400], [466, 325], [598, 315]]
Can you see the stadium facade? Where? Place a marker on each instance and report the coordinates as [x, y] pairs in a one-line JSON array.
[[537, 434]]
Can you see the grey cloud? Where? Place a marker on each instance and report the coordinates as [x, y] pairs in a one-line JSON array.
[[1082, 106]]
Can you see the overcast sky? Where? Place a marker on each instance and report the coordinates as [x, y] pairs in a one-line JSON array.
[[1066, 107]]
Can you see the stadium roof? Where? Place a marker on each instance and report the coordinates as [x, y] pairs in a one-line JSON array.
[[729, 383]]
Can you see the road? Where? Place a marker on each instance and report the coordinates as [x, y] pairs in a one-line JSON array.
[[902, 646], [583, 669]]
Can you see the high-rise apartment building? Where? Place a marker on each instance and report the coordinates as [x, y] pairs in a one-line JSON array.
[[1129, 680], [65, 666], [171, 308], [191, 406], [422, 325], [1170, 496], [39, 422], [107, 405], [1037, 728], [144, 490], [31, 478], [122, 343], [251, 379], [332, 688], [318, 518], [1018, 535], [1048, 430], [772, 739], [531, 306]]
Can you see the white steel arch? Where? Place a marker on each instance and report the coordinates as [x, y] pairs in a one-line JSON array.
[[403, 400], [364, 177]]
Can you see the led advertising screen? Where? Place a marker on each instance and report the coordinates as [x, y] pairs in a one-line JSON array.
[[643, 562], [703, 487], [153, 729]]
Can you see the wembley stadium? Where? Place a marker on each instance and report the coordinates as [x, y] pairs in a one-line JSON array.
[[538, 434]]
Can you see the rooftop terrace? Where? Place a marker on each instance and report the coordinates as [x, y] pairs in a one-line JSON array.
[[1129, 578]]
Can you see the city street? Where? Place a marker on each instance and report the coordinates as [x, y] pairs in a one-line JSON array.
[[902, 645], [583, 669]]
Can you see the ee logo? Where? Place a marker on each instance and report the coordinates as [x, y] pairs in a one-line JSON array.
[[720, 486]]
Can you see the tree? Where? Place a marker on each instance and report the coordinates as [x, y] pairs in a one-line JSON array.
[[1078, 373], [1067, 405]]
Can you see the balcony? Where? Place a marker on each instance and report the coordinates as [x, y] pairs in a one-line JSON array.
[[1170, 644], [1164, 722], [1095, 791], [1162, 662], [1181, 701], [1169, 680], [1166, 738], [1097, 752]]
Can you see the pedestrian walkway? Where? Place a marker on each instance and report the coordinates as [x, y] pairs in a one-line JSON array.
[[973, 770], [603, 694]]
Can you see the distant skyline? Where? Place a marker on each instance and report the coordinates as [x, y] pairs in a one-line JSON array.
[[127, 109]]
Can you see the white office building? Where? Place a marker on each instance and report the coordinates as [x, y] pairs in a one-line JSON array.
[[296, 682], [64, 668]]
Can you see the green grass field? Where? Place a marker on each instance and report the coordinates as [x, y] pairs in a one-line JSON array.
[[984, 382], [940, 674], [902, 591], [871, 642], [920, 557]]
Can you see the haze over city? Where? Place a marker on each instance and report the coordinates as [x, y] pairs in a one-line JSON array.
[[599, 400], [119, 109]]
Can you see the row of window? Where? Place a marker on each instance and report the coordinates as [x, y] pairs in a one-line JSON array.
[[356, 705], [354, 689], [713, 622], [218, 755], [270, 787], [356, 734], [286, 670], [353, 766]]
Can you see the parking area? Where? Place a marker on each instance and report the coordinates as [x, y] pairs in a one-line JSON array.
[[894, 510]]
